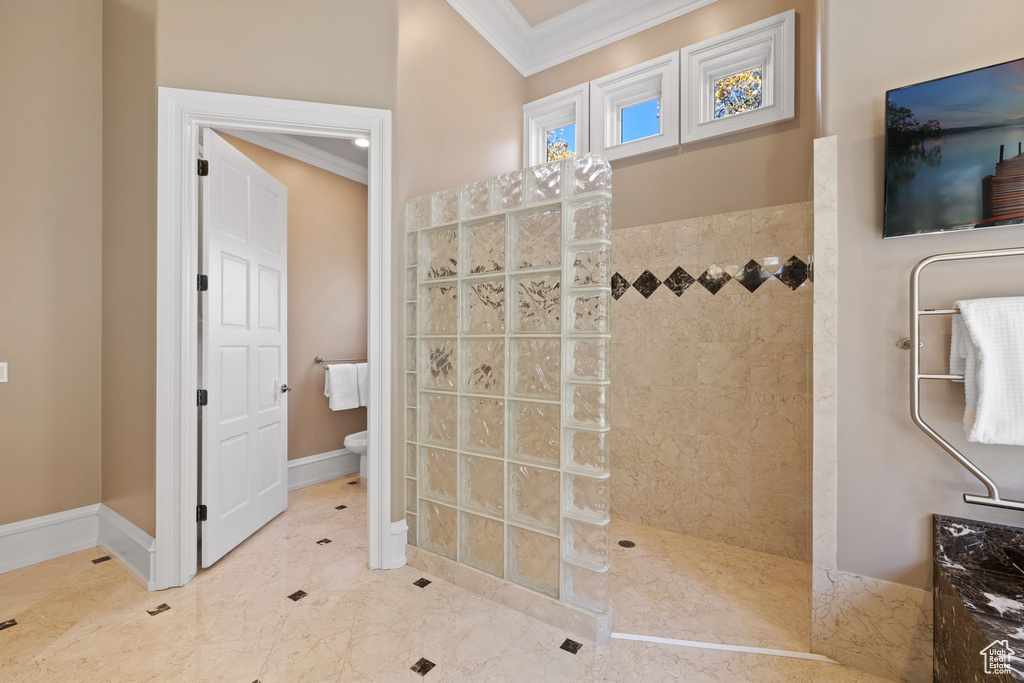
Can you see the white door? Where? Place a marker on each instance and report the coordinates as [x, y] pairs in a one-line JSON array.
[[244, 348]]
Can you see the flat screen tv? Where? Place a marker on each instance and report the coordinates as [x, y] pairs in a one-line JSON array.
[[954, 152]]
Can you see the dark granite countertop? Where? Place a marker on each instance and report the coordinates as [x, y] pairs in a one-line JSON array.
[[984, 564]]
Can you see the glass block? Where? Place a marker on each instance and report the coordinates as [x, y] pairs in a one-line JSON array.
[[588, 358], [587, 543], [410, 495], [482, 543], [475, 199], [590, 312], [484, 306], [410, 424], [446, 206], [485, 245], [483, 366], [587, 451], [533, 561], [410, 320], [533, 496], [440, 309], [417, 213], [590, 265], [507, 191], [482, 485], [440, 252], [410, 355], [537, 238], [586, 497], [411, 248], [440, 417], [591, 220], [437, 531], [410, 459], [538, 303], [544, 183], [410, 284], [534, 435], [590, 174], [483, 429], [440, 364], [410, 521], [585, 588], [536, 369], [410, 389], [438, 476], [587, 404]]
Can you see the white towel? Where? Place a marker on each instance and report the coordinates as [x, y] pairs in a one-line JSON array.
[[341, 386], [991, 344], [363, 380]]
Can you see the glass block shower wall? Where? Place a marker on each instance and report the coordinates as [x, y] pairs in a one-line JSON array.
[[507, 453]]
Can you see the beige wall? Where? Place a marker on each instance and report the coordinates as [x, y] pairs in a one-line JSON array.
[[50, 226], [710, 395], [327, 283], [459, 119], [891, 476], [129, 259], [733, 173]]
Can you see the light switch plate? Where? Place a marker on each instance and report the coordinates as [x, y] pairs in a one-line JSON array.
[[3, 372]]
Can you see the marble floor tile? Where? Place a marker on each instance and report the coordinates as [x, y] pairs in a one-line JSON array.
[[85, 622]]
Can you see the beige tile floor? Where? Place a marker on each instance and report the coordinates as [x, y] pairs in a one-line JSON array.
[[79, 621]]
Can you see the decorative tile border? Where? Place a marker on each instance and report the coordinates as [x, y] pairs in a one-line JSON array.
[[793, 273]]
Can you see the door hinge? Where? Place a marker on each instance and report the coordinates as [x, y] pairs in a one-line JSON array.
[[202, 397], [200, 513], [202, 282], [204, 167]]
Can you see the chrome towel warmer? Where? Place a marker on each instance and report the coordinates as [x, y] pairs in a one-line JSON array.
[[913, 344]]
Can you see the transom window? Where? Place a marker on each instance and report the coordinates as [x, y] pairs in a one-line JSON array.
[[641, 120], [561, 142], [738, 93]]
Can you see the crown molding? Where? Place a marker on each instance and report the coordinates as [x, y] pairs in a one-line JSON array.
[[296, 149], [586, 27]]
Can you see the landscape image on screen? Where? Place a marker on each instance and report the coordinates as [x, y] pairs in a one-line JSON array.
[[955, 152]]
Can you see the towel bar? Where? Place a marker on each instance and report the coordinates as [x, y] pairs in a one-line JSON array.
[[913, 344], [320, 360]]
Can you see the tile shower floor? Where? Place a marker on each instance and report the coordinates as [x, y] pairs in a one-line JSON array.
[[77, 620]]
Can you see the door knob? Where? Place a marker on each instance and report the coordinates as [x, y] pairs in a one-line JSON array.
[[285, 388]]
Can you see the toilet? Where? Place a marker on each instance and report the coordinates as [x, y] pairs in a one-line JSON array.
[[357, 444]]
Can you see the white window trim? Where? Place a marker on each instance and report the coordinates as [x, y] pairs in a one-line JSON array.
[[658, 77], [555, 111], [770, 44]]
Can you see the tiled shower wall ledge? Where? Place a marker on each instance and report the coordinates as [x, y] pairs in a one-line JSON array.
[[710, 400]]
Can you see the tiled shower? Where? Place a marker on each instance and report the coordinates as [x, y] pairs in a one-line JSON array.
[[508, 289]]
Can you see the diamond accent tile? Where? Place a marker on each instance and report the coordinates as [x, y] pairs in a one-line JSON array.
[[620, 286], [752, 275], [571, 646], [793, 272], [423, 666], [679, 281], [646, 284], [714, 278], [422, 583], [160, 609]]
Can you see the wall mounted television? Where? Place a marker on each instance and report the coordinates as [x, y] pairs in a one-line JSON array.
[[954, 152]]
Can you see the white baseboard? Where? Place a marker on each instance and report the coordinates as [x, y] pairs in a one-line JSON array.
[[314, 469], [399, 536], [62, 533], [44, 538], [128, 543]]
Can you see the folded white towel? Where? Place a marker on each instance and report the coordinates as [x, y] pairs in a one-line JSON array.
[[341, 386], [363, 375], [992, 348]]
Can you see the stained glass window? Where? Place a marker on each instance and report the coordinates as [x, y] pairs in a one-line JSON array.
[[738, 93], [641, 120], [561, 142]]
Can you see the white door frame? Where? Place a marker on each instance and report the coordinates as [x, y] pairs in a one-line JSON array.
[[182, 113]]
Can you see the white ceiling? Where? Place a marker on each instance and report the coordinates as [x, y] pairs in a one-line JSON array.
[[338, 147], [538, 11], [565, 28]]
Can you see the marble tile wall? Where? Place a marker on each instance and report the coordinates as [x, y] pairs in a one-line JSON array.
[[710, 399]]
